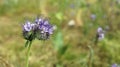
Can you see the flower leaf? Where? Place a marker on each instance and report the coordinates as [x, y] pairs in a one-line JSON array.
[[59, 45], [58, 41]]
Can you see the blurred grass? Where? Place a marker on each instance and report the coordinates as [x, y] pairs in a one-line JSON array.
[[13, 14]]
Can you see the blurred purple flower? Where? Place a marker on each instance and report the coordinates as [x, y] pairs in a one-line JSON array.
[[114, 65], [100, 33], [99, 30], [72, 6], [101, 36], [93, 16]]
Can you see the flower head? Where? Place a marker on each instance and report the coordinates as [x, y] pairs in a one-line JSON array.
[[99, 30], [93, 16], [41, 29], [100, 33], [45, 29], [101, 36]]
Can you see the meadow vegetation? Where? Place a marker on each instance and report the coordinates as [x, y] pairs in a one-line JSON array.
[[72, 44]]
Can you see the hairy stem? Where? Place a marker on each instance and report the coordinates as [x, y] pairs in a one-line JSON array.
[[28, 53]]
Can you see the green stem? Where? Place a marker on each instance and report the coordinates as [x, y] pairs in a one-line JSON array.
[[28, 53], [90, 56]]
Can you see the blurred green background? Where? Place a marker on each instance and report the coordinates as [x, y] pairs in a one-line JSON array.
[[76, 22]]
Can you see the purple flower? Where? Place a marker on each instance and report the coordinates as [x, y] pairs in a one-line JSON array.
[[39, 20], [114, 65], [41, 25], [93, 16], [101, 36], [50, 30], [99, 30], [41, 29], [34, 26], [27, 26], [100, 33], [46, 22], [44, 26], [46, 29]]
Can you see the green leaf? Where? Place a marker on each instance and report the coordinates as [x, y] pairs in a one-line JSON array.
[[58, 41], [59, 15], [62, 50], [59, 45]]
